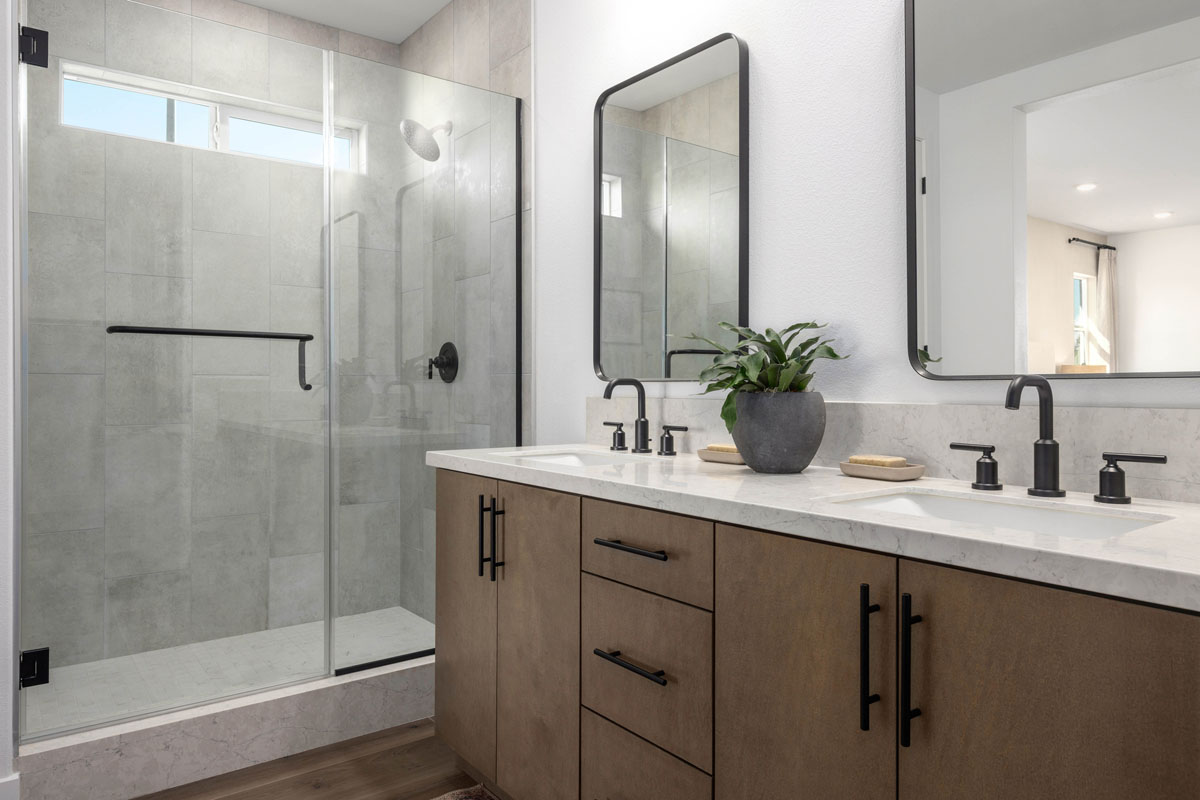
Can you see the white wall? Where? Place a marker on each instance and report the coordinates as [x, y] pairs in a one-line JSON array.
[[827, 231], [1158, 294], [1053, 264]]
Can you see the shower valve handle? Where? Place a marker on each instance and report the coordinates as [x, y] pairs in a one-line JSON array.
[[445, 362]]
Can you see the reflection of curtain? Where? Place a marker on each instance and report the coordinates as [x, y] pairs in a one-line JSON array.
[[1106, 299]]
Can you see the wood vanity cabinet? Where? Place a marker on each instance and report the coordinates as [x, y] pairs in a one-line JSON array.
[[1031, 691], [789, 664], [1023, 690], [507, 665]]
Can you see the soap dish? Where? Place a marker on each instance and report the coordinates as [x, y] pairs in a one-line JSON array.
[[720, 456], [909, 473]]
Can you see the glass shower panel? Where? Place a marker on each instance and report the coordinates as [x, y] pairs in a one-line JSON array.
[[425, 252], [174, 517]]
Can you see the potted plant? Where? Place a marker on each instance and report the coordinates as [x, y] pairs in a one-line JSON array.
[[776, 421]]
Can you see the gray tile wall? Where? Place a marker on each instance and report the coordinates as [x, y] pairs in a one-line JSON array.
[[174, 488]]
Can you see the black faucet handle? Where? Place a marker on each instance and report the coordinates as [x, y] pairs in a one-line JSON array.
[[1112, 477], [986, 449], [1114, 458], [618, 440], [987, 469], [666, 442]]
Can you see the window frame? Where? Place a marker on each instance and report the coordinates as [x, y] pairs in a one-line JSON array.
[[219, 115]]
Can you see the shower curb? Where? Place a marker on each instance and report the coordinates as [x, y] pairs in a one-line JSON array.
[[149, 755]]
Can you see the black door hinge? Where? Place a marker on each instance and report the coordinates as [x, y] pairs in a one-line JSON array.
[[923, 187], [33, 46], [35, 667]]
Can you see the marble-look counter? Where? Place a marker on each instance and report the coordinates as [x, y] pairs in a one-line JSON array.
[[1159, 563]]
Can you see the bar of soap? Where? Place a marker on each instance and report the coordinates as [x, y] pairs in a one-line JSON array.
[[879, 461], [722, 448]]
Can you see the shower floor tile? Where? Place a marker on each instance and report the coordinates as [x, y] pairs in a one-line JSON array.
[[80, 695]]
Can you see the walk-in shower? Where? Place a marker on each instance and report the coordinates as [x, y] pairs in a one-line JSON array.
[[240, 256]]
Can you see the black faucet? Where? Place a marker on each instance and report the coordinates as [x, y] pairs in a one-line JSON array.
[[641, 427], [1045, 449]]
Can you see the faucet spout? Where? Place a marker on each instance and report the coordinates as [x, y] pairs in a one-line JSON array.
[[1045, 449], [641, 427], [1045, 401]]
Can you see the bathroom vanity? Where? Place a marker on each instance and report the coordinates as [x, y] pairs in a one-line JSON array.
[[612, 625]]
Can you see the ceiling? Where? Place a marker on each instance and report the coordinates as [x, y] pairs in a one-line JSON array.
[[962, 42], [383, 19], [1135, 139]]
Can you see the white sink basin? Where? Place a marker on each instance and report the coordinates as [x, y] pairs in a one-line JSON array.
[[572, 458], [1058, 520]]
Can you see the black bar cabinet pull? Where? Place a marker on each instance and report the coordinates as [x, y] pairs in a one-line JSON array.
[[493, 563], [615, 544], [613, 657], [482, 510], [297, 337], [865, 609], [907, 712]]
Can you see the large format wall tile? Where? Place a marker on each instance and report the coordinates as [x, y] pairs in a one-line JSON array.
[[228, 571], [473, 336], [232, 284], [368, 558], [66, 269], [230, 447], [77, 27], [67, 349], [63, 474], [231, 194], [230, 59], [148, 207], [511, 29], [62, 579], [296, 73], [147, 612], [296, 502], [297, 590], [148, 379], [147, 519], [148, 41], [297, 222], [472, 202], [503, 300]]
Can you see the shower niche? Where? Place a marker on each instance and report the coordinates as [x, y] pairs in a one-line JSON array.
[[196, 523]]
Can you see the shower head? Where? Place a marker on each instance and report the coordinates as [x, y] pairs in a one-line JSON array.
[[420, 139]]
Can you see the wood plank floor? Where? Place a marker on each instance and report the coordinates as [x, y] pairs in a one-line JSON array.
[[404, 763]]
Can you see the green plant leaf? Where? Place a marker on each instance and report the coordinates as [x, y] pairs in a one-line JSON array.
[[774, 347], [823, 350], [729, 411], [787, 375]]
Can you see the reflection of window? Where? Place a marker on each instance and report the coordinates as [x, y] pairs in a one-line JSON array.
[[162, 117], [610, 195], [1080, 319]]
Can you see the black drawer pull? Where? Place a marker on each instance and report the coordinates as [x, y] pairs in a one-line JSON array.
[[657, 677], [496, 512], [907, 712], [615, 544], [865, 609], [482, 510]]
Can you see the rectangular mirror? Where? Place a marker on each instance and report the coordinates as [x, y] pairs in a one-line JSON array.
[[671, 249], [1054, 188]]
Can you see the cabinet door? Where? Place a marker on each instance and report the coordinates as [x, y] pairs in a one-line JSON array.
[[788, 656], [1029, 691], [537, 635], [465, 664]]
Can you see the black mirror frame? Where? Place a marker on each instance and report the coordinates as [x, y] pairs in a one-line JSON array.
[[910, 189], [743, 190]]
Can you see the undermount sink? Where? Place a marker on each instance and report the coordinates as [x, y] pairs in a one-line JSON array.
[[573, 458], [1057, 520]]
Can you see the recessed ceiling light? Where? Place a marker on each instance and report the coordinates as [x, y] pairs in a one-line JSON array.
[[1164, 215], [1085, 187]]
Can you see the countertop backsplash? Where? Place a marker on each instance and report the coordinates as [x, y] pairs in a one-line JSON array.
[[922, 434]]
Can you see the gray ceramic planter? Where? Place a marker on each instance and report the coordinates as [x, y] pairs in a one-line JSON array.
[[779, 431]]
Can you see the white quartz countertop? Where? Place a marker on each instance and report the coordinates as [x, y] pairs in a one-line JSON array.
[[1159, 563]]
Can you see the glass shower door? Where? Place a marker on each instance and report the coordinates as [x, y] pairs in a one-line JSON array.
[[174, 534], [425, 254]]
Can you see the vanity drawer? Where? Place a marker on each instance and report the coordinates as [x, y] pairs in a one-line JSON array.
[[687, 572], [617, 764], [642, 631]]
